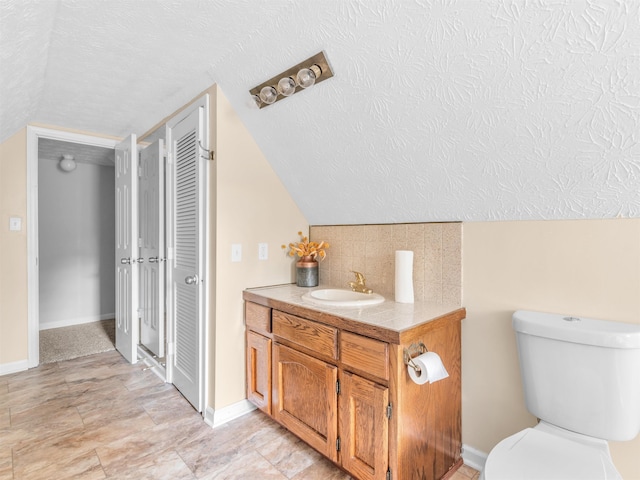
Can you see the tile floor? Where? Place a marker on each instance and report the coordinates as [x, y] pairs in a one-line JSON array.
[[99, 417]]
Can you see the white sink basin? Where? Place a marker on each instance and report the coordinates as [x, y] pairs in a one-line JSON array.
[[337, 297]]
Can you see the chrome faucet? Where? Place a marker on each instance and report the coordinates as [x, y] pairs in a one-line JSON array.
[[360, 285]]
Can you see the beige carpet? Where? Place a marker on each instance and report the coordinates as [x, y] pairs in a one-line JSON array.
[[65, 343]]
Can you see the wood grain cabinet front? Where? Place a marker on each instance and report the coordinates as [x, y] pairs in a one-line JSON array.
[[316, 337], [305, 398], [259, 371], [364, 427], [349, 395]]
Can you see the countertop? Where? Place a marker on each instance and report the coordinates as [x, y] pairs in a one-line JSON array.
[[388, 316]]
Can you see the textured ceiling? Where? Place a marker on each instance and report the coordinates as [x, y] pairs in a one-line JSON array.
[[438, 110]]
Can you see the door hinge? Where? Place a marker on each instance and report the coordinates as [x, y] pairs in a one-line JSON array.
[[338, 444], [212, 155], [338, 387], [389, 411], [388, 474]]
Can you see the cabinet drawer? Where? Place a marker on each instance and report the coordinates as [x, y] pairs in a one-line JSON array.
[[365, 354], [257, 317], [306, 333]]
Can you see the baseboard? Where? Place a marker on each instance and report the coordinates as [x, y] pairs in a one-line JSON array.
[[77, 321], [473, 457], [13, 367], [215, 418]]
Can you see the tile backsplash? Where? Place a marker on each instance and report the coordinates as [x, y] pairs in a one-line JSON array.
[[370, 249]]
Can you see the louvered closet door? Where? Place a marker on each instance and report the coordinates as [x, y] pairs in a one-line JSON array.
[[188, 252]]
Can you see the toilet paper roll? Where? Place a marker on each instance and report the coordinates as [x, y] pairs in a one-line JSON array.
[[404, 276], [431, 368]]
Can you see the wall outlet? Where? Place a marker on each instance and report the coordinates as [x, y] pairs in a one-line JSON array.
[[263, 251], [15, 224], [236, 252]]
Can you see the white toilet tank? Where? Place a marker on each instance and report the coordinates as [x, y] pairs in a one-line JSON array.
[[581, 374]]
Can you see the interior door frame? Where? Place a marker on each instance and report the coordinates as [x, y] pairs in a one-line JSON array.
[[34, 134]]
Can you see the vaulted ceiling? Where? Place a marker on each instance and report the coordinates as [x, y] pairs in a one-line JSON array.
[[438, 109]]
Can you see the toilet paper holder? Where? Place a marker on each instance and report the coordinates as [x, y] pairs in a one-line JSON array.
[[413, 350]]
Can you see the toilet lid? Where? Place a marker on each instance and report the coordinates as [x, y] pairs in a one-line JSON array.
[[533, 455]]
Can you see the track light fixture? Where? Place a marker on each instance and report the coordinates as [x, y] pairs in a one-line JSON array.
[[303, 75]]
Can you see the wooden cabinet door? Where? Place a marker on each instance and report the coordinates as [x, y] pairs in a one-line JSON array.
[[364, 427], [259, 371], [305, 399]]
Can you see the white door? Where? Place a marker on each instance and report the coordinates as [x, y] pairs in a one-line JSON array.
[[186, 212], [151, 212], [126, 179]]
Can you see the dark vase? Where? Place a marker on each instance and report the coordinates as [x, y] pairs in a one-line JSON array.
[[307, 272]]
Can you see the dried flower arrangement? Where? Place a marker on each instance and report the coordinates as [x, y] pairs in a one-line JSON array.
[[305, 248]]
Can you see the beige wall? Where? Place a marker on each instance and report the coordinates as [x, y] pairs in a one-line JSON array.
[[13, 251], [370, 249], [252, 207], [584, 268]]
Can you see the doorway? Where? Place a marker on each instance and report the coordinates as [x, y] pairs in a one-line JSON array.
[[66, 285], [75, 238]]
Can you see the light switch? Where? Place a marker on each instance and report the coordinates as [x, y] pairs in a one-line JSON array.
[[15, 224], [263, 251], [236, 252]]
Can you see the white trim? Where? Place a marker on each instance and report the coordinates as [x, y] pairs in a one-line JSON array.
[[77, 321], [215, 418], [13, 367], [168, 245], [209, 413], [207, 354], [473, 457], [33, 293]]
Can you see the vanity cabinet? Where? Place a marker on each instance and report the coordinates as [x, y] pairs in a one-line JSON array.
[[342, 387]]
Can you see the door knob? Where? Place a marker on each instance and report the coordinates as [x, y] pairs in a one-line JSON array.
[[139, 260], [191, 280], [125, 261], [153, 259]]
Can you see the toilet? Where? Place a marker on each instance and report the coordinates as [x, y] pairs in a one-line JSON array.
[[581, 379]]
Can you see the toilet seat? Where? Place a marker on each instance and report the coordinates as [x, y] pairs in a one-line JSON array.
[[534, 454]]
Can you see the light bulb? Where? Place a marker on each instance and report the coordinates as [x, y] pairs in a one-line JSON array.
[[67, 163], [307, 76], [268, 95], [286, 86]]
